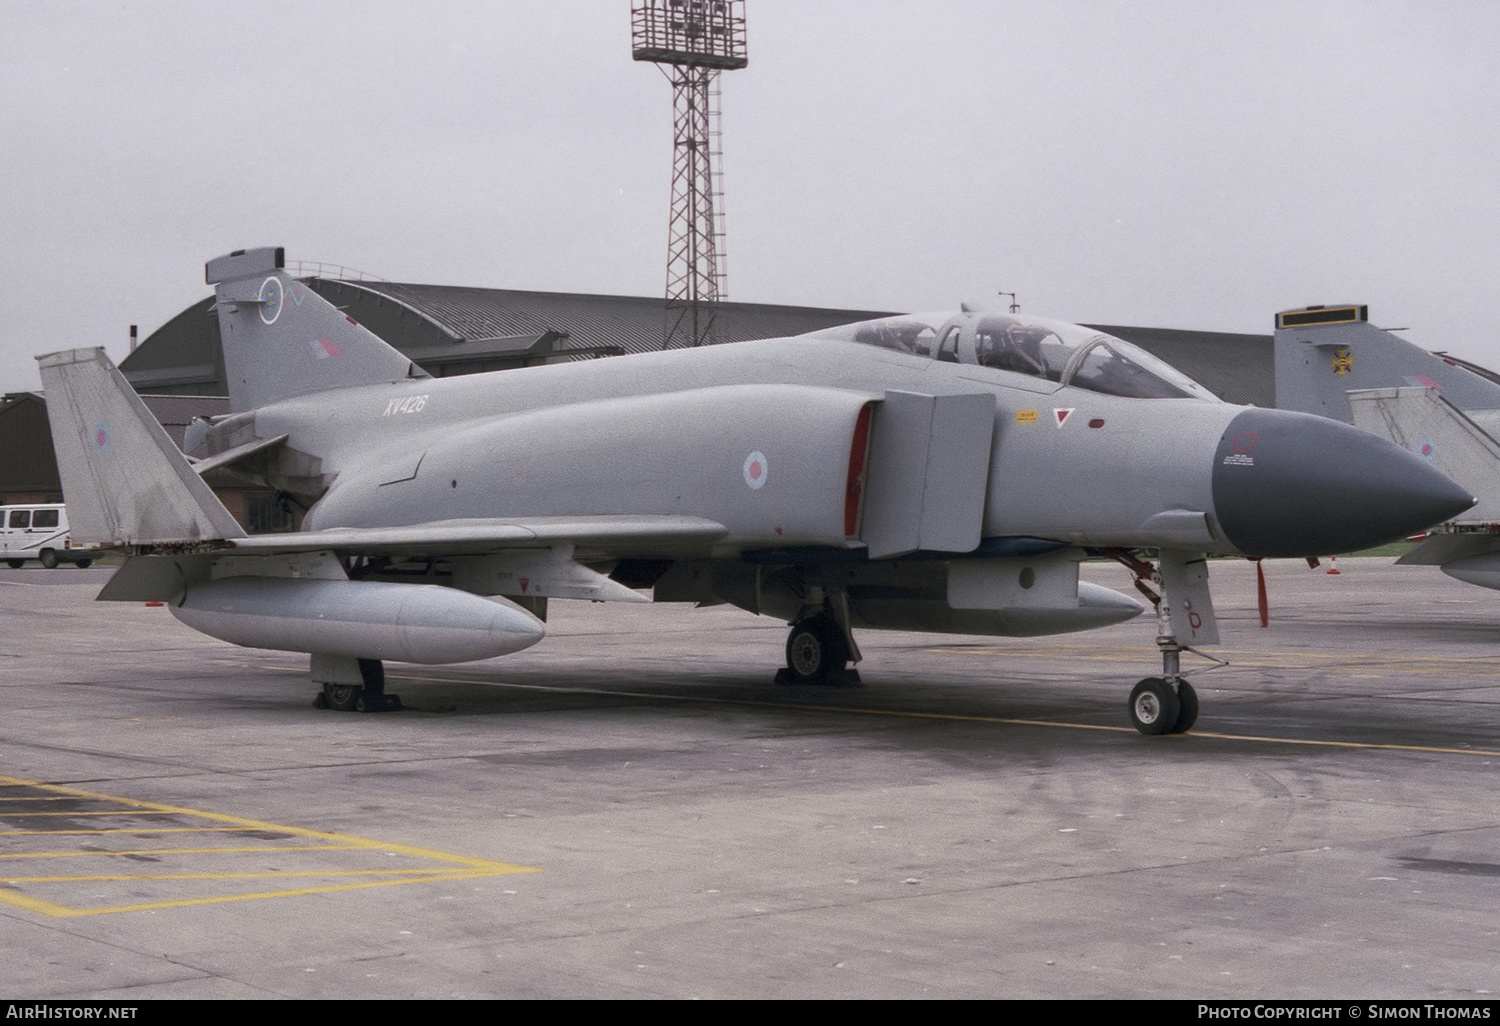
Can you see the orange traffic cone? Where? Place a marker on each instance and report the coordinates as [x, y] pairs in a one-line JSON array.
[[1333, 565]]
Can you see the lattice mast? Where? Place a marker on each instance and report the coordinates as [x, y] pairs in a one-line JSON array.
[[692, 41]]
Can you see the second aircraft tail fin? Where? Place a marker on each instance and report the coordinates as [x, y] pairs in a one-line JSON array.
[[1324, 352], [124, 480], [281, 339]]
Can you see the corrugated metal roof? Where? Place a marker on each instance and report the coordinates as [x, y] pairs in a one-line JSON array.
[[634, 323]]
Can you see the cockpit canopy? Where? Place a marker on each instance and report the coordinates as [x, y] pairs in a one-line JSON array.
[[1068, 354]]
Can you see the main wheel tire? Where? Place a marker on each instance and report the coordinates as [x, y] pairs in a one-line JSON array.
[[83, 564], [1187, 708], [343, 697], [815, 649], [1154, 706], [15, 564], [48, 559], [373, 673]]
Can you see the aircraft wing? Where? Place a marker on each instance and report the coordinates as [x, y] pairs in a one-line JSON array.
[[465, 537], [129, 486], [542, 557]]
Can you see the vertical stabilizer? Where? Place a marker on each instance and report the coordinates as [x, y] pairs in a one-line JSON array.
[[124, 481], [1324, 352], [281, 339]]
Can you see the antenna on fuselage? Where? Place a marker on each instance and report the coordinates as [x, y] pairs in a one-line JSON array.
[[1015, 307]]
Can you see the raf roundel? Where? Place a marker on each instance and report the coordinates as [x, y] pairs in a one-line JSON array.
[[756, 470], [270, 300], [101, 437]]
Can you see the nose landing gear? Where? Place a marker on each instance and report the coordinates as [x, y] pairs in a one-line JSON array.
[[1168, 704]]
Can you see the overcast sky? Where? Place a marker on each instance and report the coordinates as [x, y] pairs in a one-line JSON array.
[[1176, 164]]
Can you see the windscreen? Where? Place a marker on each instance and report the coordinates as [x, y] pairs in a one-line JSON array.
[[1068, 354]]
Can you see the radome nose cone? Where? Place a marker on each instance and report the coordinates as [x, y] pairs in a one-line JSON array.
[[1291, 484]]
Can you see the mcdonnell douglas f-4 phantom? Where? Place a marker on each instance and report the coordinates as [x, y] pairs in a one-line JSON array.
[[934, 473]]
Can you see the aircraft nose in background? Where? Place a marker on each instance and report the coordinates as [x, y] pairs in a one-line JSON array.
[[1292, 484]]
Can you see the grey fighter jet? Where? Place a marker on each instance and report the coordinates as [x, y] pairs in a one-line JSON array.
[[938, 472], [1332, 361]]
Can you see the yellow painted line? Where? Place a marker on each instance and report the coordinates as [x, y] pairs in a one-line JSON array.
[[167, 851], [1343, 744], [450, 866], [138, 830], [1248, 660], [103, 812], [272, 874], [64, 912], [919, 715], [952, 716]]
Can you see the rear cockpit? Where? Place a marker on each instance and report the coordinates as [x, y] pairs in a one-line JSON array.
[[1068, 354]]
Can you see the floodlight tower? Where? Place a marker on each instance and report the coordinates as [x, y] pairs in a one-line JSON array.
[[692, 41]]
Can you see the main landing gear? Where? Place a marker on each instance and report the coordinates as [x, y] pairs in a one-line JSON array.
[[343, 695], [820, 646]]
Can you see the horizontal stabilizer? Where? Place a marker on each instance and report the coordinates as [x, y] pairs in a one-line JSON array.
[[124, 481], [1420, 420], [231, 456]]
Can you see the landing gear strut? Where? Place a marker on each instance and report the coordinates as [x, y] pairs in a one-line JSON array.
[[1168, 704], [337, 675], [819, 647]]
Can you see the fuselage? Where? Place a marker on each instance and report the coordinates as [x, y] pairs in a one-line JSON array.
[[1067, 463]]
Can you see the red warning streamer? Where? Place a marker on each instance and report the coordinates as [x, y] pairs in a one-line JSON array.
[[1260, 595]]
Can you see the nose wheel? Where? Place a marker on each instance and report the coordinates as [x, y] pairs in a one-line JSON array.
[[1162, 706]]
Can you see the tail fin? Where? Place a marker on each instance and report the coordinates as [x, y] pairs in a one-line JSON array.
[[281, 339], [124, 481], [1324, 352], [1421, 421]]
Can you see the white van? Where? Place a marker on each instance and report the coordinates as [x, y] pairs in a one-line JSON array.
[[39, 531]]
